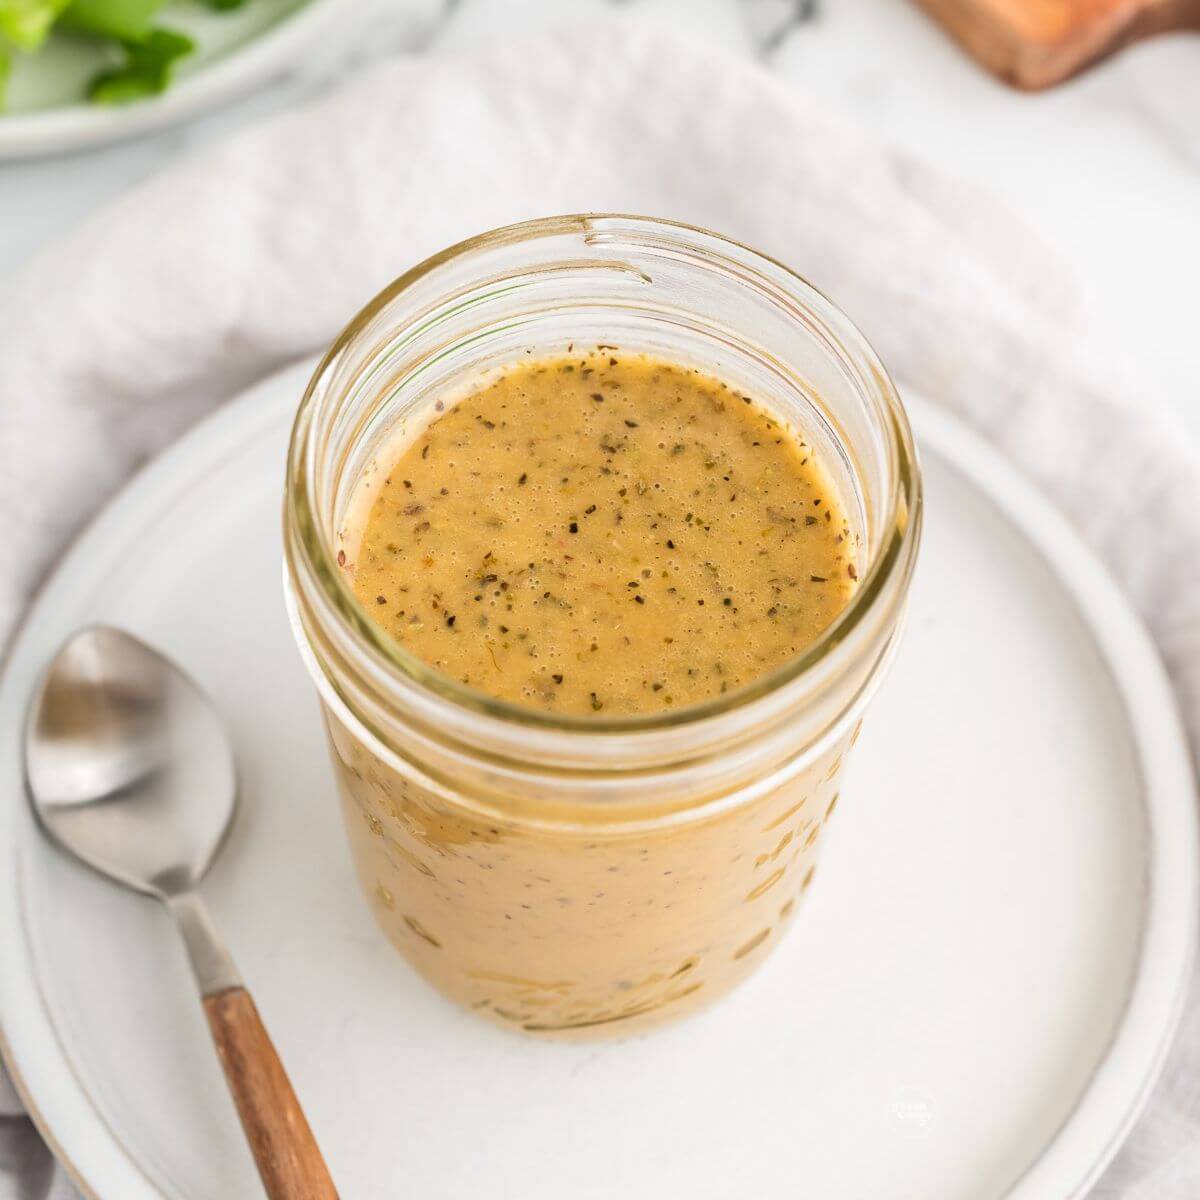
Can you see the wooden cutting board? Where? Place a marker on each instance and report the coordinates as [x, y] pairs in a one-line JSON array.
[[1034, 44]]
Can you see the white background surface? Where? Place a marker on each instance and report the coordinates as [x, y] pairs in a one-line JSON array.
[[1106, 168]]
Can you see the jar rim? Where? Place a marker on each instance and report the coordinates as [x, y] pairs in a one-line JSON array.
[[307, 545]]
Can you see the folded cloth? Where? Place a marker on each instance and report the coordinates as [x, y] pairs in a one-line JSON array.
[[258, 251]]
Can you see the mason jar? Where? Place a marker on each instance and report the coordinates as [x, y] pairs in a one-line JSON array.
[[559, 873]]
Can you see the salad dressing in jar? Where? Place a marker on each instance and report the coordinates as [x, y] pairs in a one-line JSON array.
[[592, 648]]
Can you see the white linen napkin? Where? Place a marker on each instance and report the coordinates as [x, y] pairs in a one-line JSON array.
[[260, 250]]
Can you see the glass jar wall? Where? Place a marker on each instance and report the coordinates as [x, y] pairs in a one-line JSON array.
[[562, 873]]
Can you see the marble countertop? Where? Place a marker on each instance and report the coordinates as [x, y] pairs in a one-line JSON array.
[[1105, 168]]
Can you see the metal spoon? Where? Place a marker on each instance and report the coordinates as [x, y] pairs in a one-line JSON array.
[[129, 769]]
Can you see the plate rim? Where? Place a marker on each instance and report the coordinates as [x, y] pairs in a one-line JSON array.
[[1089, 1136], [72, 127]]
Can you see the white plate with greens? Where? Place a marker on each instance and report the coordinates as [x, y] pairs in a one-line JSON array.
[[80, 73]]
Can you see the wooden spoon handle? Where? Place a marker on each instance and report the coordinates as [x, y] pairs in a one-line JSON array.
[[284, 1148]]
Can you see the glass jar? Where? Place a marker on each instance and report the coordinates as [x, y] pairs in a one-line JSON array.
[[562, 873]]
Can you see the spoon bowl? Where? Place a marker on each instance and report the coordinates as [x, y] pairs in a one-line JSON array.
[[128, 764]]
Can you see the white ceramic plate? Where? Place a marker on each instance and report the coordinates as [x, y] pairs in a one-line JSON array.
[[235, 51], [973, 1004]]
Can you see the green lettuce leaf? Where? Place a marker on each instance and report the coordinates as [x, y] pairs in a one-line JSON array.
[[146, 70], [25, 24], [125, 20]]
